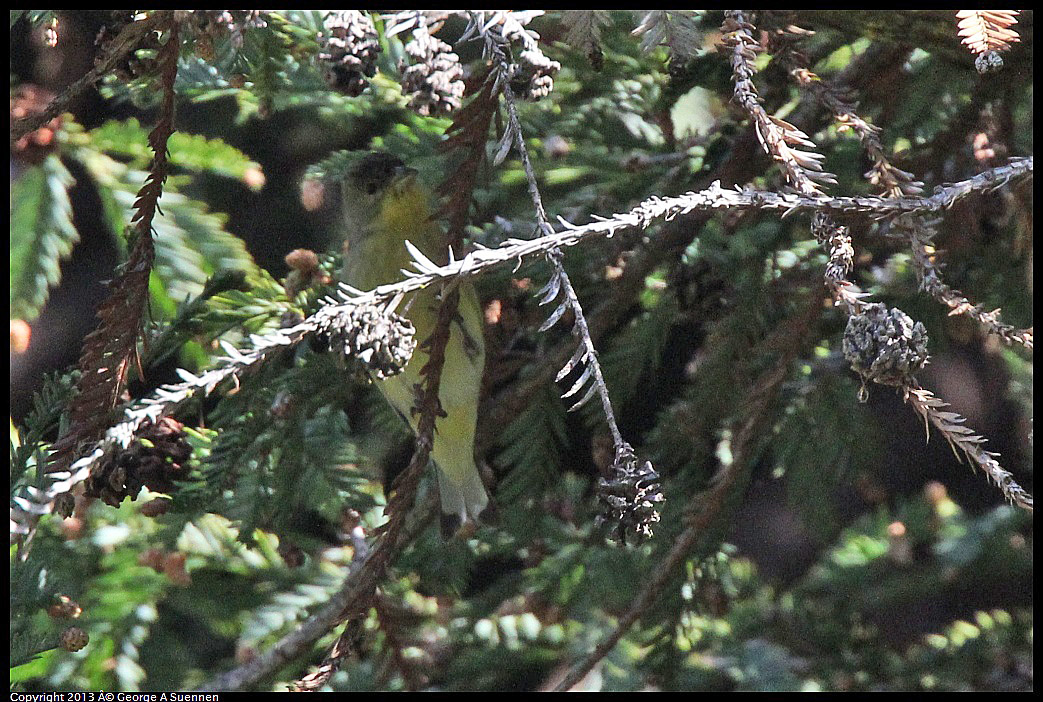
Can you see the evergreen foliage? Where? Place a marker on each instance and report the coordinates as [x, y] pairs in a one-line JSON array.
[[807, 540]]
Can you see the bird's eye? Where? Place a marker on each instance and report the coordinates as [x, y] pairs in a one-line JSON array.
[[371, 187]]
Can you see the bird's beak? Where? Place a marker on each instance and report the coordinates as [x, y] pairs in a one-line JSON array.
[[404, 174]]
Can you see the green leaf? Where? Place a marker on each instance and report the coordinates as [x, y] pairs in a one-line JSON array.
[[191, 151], [533, 445], [42, 234]]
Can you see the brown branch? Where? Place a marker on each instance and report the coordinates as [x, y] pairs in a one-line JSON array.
[[467, 134], [388, 620], [124, 42], [358, 584], [401, 501], [965, 441], [109, 349]]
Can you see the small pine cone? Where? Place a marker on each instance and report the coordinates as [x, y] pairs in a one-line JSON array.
[[885, 346], [534, 75], [64, 608], [349, 50], [988, 61], [155, 459], [433, 80], [382, 341], [628, 498], [73, 639], [64, 504]]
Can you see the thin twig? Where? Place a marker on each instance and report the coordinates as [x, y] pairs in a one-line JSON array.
[[704, 509], [168, 398], [802, 166], [401, 501], [891, 181], [920, 233], [670, 239], [357, 583], [964, 440], [124, 42], [108, 350], [554, 255]]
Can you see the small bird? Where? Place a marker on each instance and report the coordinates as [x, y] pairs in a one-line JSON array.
[[384, 205]]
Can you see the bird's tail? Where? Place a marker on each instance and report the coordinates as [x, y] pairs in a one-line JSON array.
[[463, 493]]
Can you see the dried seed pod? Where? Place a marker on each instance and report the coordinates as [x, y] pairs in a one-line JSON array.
[[885, 346], [534, 75], [64, 608], [433, 81], [64, 504], [73, 639], [349, 50], [628, 498], [381, 341], [156, 458]]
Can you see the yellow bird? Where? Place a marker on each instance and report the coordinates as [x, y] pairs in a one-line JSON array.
[[383, 206]]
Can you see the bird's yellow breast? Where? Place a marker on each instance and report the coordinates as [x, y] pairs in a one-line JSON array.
[[404, 213]]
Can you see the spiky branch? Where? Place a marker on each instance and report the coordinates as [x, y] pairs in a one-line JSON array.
[[235, 363], [892, 182], [108, 350], [705, 509], [965, 441]]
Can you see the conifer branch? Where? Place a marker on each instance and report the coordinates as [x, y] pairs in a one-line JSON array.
[[887, 347], [124, 43], [676, 29], [364, 573], [706, 508], [404, 492], [585, 32], [889, 180], [803, 172], [108, 350], [497, 46], [802, 167], [965, 441], [920, 232], [893, 182], [351, 304], [988, 30]]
